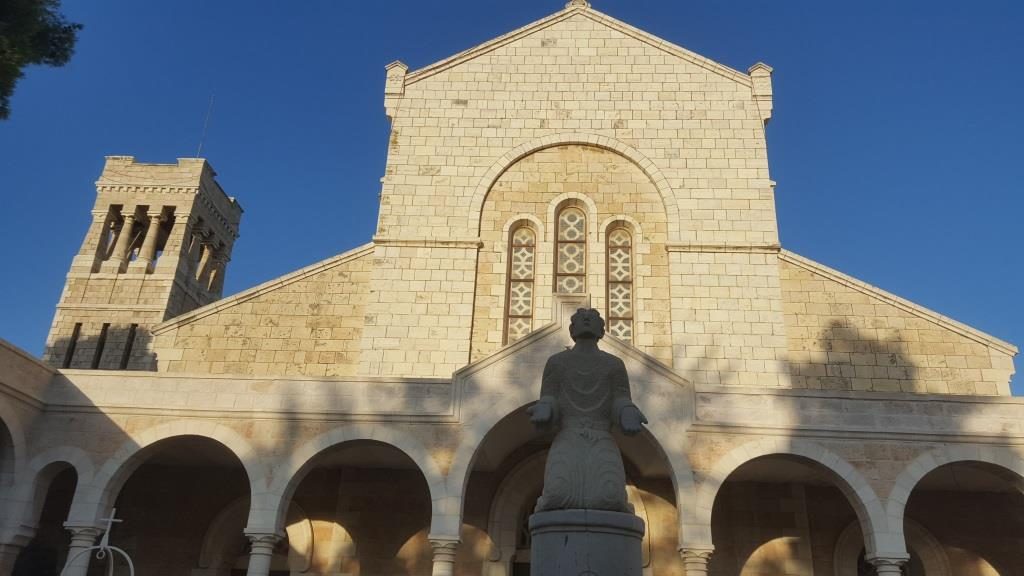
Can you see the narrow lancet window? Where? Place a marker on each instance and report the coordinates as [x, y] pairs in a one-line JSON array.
[[620, 283], [521, 270], [571, 257]]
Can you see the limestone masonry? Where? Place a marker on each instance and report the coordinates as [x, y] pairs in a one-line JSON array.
[[367, 414]]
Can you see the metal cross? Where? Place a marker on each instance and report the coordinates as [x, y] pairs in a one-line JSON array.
[[105, 541]]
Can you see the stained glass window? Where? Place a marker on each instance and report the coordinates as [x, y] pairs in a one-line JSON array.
[[571, 256], [620, 283], [521, 265]]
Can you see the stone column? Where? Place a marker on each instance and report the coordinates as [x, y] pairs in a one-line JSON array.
[[219, 267], [120, 254], [8, 556], [888, 566], [695, 560], [82, 538], [262, 553], [203, 270], [148, 252], [444, 556]]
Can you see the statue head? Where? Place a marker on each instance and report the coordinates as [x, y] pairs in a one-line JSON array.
[[586, 323]]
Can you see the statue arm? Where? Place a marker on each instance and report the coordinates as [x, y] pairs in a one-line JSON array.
[[624, 411], [545, 411]]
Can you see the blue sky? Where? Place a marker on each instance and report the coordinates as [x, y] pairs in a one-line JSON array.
[[896, 140]]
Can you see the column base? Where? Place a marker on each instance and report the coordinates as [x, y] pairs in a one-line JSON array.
[[586, 542]]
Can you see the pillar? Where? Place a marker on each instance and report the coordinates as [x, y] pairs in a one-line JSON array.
[[444, 556], [695, 560], [148, 252], [262, 553], [8, 556], [194, 235], [120, 254], [205, 262], [888, 566], [82, 538]]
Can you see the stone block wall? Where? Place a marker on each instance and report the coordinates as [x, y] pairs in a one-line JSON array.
[[844, 334], [308, 323], [727, 324]]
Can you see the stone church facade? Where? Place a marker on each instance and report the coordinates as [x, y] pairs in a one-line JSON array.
[[366, 414]]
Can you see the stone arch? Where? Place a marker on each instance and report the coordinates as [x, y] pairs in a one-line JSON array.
[[29, 493], [851, 482], [503, 163], [99, 495], [473, 437], [219, 536], [269, 506], [538, 226], [9, 420], [896, 505], [919, 539]]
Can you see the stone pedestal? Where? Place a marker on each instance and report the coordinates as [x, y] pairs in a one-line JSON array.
[[586, 543]]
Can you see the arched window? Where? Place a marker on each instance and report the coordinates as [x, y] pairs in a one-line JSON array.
[[620, 282], [521, 269], [571, 256]]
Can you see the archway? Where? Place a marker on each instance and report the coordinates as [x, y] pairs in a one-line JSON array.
[[781, 514], [506, 477], [927, 557], [975, 510], [167, 495], [46, 553], [367, 505]]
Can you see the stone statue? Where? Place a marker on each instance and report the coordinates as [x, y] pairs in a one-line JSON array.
[[586, 391]]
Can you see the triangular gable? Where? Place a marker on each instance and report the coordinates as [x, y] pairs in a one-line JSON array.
[[510, 377], [599, 17], [900, 303], [261, 289]]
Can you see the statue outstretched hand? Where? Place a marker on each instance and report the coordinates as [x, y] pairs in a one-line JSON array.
[[631, 420], [541, 412]]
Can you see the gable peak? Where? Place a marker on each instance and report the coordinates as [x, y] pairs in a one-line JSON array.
[[577, 4]]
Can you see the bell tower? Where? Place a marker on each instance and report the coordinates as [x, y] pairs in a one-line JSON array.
[[158, 246]]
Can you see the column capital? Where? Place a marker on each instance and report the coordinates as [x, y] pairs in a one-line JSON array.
[[888, 565], [83, 534], [264, 541], [695, 559], [444, 547]]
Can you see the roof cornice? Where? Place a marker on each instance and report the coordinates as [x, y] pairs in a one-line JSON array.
[[570, 11]]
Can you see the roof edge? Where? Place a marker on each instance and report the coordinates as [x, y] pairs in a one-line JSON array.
[[260, 289], [901, 303], [595, 15]]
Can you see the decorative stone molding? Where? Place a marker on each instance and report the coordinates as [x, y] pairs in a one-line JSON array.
[[761, 80], [760, 249], [577, 4]]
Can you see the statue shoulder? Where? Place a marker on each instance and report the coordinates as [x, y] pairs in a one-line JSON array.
[[612, 359]]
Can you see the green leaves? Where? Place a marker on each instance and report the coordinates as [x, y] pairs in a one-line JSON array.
[[31, 32]]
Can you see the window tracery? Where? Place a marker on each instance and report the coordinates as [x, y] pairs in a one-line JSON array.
[[619, 246], [571, 251], [522, 259]]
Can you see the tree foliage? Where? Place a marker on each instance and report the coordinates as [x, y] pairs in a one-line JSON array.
[[31, 32]]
